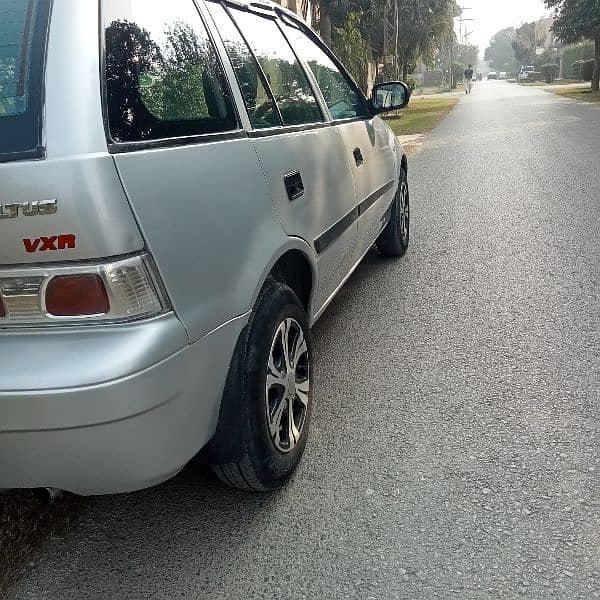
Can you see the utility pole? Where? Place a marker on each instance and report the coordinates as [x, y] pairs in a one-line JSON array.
[[461, 21], [451, 70], [463, 37], [396, 41], [391, 27]]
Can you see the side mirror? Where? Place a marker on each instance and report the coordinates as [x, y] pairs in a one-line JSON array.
[[389, 96]]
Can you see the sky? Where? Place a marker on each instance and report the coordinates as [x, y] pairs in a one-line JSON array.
[[493, 15]]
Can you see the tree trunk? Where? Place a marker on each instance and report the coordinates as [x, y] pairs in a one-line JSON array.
[[325, 25], [404, 72], [596, 76]]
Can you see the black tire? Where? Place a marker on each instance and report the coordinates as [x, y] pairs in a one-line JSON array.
[[395, 238], [243, 453]]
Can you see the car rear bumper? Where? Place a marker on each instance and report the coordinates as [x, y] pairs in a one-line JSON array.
[[155, 407]]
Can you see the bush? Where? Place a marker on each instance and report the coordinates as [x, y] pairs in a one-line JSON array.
[[546, 58], [549, 71], [411, 82], [458, 70]]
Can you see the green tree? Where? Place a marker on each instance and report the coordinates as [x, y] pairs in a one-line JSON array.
[[354, 28], [578, 20], [423, 26], [501, 52], [334, 13], [353, 49], [467, 54], [524, 44]]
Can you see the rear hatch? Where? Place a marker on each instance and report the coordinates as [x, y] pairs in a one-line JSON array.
[[60, 198], [70, 249]]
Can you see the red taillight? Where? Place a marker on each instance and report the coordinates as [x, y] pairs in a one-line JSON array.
[[76, 296]]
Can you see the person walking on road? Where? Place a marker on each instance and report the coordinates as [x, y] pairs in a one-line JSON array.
[[468, 79]]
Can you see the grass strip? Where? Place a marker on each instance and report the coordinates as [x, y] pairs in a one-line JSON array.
[[422, 115], [576, 93]]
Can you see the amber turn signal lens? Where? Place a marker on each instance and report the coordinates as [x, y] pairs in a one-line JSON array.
[[76, 296]]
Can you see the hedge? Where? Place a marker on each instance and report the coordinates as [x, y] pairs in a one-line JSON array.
[[573, 55], [549, 71]]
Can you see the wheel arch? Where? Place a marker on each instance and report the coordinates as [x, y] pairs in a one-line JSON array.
[[295, 270], [404, 163], [401, 158], [294, 265]]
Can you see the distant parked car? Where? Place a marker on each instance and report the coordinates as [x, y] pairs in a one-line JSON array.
[[503, 75], [492, 75], [525, 73]]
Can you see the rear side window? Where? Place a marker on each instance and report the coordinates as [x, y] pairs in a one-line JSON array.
[[285, 76], [23, 31], [258, 100], [163, 76]]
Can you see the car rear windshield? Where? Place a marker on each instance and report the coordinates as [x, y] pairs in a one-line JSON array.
[[23, 29]]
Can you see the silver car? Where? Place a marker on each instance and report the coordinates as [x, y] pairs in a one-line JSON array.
[[185, 186]]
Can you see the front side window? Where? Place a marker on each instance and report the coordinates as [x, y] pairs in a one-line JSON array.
[[259, 103], [286, 77], [342, 99], [163, 76], [23, 31]]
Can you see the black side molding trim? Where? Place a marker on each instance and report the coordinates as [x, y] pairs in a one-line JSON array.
[[335, 231], [366, 204]]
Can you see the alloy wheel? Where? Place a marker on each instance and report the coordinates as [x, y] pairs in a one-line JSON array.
[[404, 211], [287, 386]]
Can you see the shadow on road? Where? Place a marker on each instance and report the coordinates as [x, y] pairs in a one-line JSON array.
[[26, 523]]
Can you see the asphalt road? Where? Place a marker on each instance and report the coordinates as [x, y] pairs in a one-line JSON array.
[[456, 439]]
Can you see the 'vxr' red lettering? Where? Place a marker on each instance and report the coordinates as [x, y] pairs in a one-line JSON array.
[[52, 243]]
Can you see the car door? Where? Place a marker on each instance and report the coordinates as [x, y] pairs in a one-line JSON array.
[[301, 153], [368, 141]]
